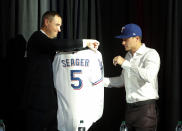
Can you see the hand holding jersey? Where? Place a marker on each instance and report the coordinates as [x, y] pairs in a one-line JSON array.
[[91, 43], [78, 81]]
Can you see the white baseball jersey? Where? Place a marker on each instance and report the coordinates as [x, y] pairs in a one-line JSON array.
[[78, 80]]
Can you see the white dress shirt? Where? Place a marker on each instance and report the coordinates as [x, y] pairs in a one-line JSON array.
[[139, 75]]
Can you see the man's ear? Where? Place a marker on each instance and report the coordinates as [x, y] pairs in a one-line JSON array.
[[138, 38], [46, 22]]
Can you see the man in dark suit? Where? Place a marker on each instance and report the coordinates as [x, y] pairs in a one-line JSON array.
[[40, 98]]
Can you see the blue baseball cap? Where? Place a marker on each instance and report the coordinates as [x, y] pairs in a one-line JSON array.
[[130, 30]]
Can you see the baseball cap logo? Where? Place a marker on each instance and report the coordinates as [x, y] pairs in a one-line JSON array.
[[122, 29], [130, 30]]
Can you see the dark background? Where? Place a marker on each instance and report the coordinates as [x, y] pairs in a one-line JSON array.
[[160, 20]]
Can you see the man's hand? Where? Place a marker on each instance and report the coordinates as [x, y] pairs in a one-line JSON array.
[[92, 44], [118, 60]]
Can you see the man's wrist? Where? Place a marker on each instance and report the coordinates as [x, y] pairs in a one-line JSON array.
[[84, 43]]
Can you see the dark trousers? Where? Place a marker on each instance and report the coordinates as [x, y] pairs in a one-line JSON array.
[[142, 117], [97, 126], [41, 121]]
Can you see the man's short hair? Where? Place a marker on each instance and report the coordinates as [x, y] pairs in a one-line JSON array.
[[48, 15]]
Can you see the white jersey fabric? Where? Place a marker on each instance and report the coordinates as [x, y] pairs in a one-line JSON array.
[[78, 80]]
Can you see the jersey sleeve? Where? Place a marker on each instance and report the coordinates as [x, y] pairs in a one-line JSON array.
[[96, 68]]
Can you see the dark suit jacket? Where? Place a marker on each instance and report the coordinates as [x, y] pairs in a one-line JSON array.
[[40, 93]]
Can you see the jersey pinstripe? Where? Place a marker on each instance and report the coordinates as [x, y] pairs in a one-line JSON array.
[[78, 81]]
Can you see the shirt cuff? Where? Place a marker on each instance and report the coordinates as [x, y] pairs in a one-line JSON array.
[[84, 43], [126, 65], [106, 82]]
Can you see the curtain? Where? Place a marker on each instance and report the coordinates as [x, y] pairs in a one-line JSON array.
[[19, 19], [81, 18], [161, 22]]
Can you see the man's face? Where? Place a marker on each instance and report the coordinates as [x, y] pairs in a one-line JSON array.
[[129, 43], [53, 26]]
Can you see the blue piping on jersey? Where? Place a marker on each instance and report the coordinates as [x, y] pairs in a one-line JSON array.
[[97, 82]]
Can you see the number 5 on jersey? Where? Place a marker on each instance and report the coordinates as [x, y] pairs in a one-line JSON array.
[[73, 78]]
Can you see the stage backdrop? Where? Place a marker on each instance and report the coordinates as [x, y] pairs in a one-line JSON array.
[[161, 21]]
